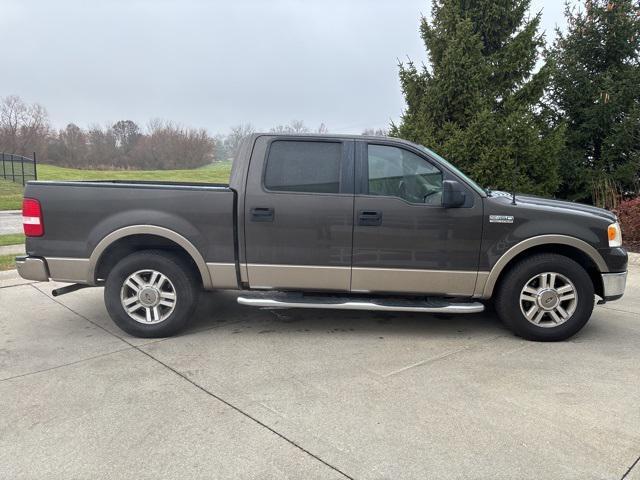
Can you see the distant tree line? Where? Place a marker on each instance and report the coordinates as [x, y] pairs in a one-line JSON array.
[[163, 145], [25, 128]]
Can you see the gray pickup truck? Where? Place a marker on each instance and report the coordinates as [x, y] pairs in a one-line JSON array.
[[341, 222]]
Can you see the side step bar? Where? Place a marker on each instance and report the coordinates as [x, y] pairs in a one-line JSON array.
[[343, 302]]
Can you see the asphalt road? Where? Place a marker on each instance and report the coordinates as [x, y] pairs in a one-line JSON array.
[[10, 221], [312, 394]]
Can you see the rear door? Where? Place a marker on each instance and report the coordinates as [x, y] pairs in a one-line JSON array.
[[298, 213], [405, 241]]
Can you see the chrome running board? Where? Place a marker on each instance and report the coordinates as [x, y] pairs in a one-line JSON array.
[[344, 302]]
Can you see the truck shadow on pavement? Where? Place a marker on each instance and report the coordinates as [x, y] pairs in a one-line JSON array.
[[220, 310]]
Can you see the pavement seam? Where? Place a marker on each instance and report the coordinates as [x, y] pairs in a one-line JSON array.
[[442, 356], [245, 414], [80, 315], [65, 364], [617, 310], [18, 285], [201, 388], [630, 468]]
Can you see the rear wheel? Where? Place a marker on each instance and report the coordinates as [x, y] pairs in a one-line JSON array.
[[545, 297], [151, 294]]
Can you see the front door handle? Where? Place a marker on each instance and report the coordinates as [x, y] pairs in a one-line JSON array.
[[369, 218], [262, 214]]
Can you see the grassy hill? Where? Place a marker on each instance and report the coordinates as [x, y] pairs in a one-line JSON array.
[[11, 193]]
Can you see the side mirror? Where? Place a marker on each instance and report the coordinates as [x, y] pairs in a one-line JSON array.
[[453, 194]]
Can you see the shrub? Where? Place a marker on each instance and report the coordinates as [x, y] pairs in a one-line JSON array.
[[629, 215]]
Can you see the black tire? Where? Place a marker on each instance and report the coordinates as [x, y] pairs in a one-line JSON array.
[[182, 280], [507, 298]]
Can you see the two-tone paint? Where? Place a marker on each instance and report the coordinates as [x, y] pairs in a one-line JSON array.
[[243, 236]]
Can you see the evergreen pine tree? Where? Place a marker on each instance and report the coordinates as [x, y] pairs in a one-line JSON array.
[[479, 102], [596, 89]]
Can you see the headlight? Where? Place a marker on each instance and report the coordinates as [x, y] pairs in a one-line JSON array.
[[615, 235]]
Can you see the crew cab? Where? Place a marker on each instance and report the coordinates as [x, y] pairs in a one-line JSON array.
[[326, 221]]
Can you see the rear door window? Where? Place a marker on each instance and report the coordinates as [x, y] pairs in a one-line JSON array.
[[303, 166]]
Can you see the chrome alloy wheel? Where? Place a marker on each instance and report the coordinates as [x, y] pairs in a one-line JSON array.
[[148, 296], [548, 299]]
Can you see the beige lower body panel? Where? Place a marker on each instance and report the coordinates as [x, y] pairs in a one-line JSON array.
[[395, 280], [481, 282], [299, 277], [223, 275], [363, 280], [244, 274], [77, 270], [312, 277]]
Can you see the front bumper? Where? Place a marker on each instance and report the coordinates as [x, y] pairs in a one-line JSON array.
[[32, 268], [613, 285]]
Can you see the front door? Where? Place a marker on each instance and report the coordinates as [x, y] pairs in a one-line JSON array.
[[404, 239], [298, 214]]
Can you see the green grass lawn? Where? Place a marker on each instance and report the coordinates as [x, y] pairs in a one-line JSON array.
[[7, 262], [11, 193], [11, 239]]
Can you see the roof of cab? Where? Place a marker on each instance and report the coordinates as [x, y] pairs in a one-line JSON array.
[[334, 135]]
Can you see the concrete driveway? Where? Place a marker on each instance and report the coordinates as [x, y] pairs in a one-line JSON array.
[[312, 394]]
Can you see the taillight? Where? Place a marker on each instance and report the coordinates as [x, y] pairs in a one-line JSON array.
[[32, 218]]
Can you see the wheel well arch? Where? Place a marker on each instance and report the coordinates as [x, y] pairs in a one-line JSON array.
[[570, 251], [128, 240]]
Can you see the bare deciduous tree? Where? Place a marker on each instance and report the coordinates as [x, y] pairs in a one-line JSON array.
[[102, 151], [68, 147], [23, 127], [169, 145], [280, 129], [322, 129], [127, 134], [236, 136], [375, 132], [296, 126]]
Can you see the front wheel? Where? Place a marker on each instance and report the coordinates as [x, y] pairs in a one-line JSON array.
[[545, 297], [151, 294]]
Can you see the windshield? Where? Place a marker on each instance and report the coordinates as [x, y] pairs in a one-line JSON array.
[[451, 167]]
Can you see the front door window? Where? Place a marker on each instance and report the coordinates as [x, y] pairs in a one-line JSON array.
[[395, 172]]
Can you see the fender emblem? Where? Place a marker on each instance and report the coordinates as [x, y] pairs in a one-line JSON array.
[[500, 218]]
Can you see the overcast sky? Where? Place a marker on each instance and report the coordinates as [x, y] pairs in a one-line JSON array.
[[216, 63]]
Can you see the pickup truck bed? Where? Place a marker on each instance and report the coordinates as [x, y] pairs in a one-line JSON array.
[[201, 214]]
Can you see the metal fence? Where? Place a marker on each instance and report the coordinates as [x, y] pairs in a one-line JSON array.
[[18, 169]]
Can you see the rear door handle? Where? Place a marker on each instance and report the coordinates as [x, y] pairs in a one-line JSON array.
[[369, 218], [262, 214]]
